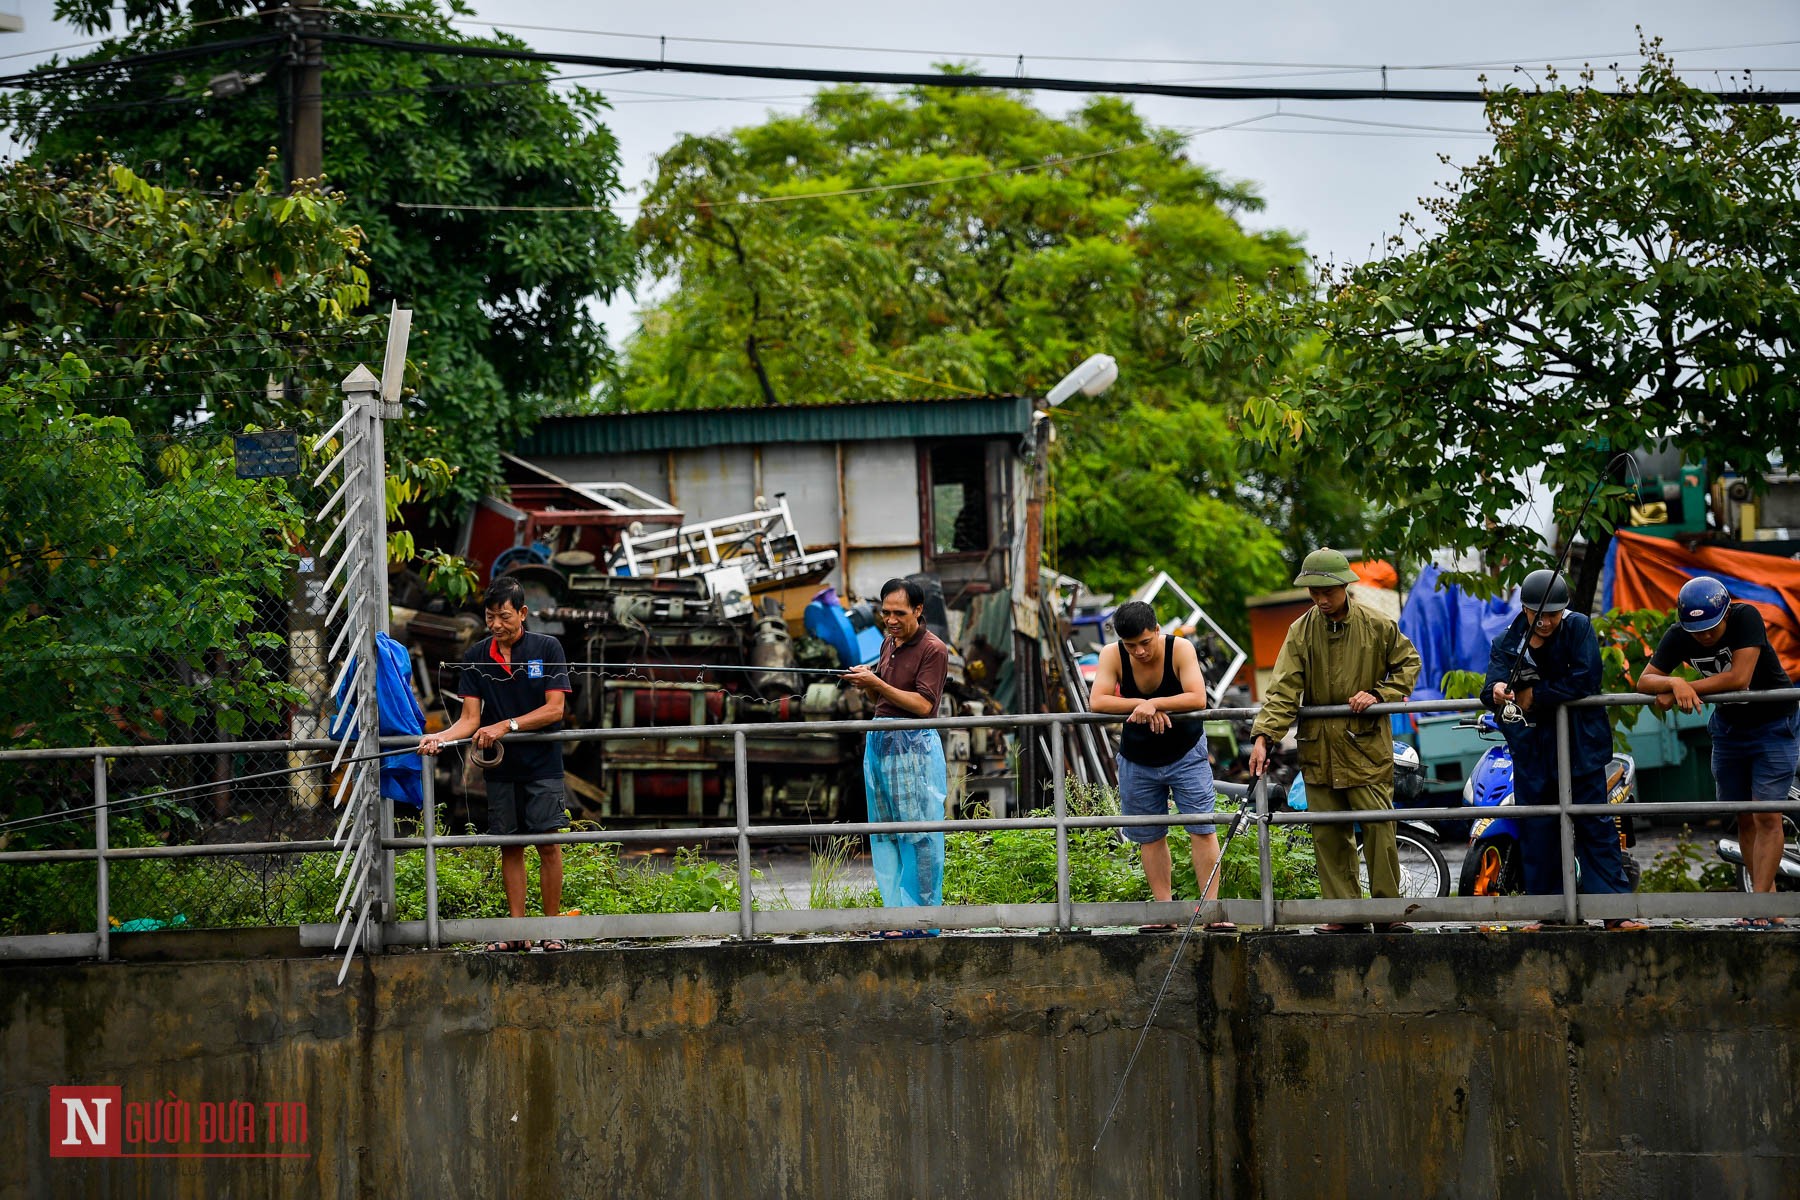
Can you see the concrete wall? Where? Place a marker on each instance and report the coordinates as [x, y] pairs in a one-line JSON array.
[[1660, 1064]]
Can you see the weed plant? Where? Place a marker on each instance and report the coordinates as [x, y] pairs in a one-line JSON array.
[[1019, 866]]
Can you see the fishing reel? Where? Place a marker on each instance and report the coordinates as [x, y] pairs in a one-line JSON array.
[[1512, 714]]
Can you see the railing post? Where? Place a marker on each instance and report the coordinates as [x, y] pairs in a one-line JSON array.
[[1059, 789], [102, 893], [1265, 868], [1565, 795], [740, 755], [428, 794]]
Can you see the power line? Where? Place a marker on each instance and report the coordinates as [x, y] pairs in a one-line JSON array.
[[79, 71], [1175, 88], [1012, 55], [972, 82], [909, 185], [1175, 139]]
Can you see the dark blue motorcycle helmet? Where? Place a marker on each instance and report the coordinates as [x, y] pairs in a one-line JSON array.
[[1702, 603]]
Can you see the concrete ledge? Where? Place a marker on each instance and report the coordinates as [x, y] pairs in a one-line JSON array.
[[1589, 1065]]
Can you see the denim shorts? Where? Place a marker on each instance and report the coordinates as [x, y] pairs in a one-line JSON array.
[[526, 806], [1145, 791], [1756, 763]]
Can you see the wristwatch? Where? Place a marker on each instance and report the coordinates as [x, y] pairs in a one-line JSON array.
[[513, 724]]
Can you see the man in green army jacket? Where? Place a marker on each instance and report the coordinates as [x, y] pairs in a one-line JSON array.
[[1341, 652]]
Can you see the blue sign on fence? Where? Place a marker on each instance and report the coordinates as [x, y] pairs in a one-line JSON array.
[[262, 455]]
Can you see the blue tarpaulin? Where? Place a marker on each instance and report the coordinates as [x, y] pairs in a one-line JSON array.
[[401, 716], [1452, 629]]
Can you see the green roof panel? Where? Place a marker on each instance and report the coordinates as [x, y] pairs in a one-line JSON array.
[[692, 428]]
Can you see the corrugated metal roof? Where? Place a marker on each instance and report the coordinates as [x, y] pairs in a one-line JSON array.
[[687, 429]]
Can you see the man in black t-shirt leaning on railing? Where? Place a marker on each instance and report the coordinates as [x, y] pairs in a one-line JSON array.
[[516, 682], [1754, 750]]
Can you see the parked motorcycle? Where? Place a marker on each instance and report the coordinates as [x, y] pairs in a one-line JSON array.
[[1423, 869], [1494, 865], [1787, 871]]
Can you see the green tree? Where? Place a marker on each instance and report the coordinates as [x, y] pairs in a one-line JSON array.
[[133, 561], [130, 570], [1619, 271], [184, 305], [504, 325], [941, 242]]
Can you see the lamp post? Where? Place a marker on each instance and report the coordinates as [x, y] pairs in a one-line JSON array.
[[1096, 373]]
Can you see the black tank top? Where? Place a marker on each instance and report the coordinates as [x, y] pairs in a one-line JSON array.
[[1138, 744]]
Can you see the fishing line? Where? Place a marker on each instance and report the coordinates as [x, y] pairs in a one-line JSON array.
[[129, 802], [1237, 822], [1510, 711]]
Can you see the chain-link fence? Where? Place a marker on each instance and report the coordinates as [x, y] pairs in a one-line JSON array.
[[159, 589]]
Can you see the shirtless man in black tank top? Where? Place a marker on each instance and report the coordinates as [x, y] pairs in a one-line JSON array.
[[1156, 674]]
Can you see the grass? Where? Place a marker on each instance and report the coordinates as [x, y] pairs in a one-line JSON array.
[[277, 890], [827, 886], [1019, 866], [1002, 867]]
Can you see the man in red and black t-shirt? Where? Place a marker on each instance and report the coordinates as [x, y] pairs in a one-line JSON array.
[[516, 682]]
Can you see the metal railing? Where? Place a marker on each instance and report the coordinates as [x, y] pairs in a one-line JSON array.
[[1064, 914]]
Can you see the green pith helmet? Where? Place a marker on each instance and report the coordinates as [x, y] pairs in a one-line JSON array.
[[1325, 567]]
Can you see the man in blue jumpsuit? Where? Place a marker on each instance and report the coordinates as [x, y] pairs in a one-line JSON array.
[[1547, 657]]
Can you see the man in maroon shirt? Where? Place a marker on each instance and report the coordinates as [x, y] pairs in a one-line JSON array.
[[903, 771]]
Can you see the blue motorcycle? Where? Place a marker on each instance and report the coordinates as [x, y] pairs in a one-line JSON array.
[[1493, 865]]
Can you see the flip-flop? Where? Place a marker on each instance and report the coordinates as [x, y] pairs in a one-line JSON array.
[[1335, 928], [552, 945], [1156, 927], [897, 934], [508, 947], [1755, 923], [1627, 925], [1220, 927], [1393, 927]]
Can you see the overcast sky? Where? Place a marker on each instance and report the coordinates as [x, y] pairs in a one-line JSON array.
[[1340, 186]]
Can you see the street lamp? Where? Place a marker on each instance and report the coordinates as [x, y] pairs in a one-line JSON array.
[[1096, 373]]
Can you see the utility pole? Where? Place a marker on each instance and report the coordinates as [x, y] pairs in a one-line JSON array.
[[306, 76]]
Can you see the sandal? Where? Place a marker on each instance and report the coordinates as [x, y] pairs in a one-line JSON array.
[[1755, 923], [1221, 927], [1153, 927], [1335, 928], [508, 947], [552, 945], [1627, 925]]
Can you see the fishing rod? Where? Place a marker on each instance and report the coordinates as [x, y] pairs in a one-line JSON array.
[[667, 666], [1238, 821], [1510, 712], [138, 801]]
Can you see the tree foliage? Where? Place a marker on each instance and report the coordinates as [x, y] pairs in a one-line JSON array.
[[504, 328], [183, 305], [130, 570], [954, 243], [1619, 272]]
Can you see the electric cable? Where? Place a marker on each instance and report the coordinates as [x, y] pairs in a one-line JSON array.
[[971, 81], [1013, 55]]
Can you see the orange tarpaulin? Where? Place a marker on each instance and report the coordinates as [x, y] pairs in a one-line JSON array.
[[1376, 573], [1647, 572]]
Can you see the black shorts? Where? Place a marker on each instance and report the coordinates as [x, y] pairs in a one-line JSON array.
[[526, 806]]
